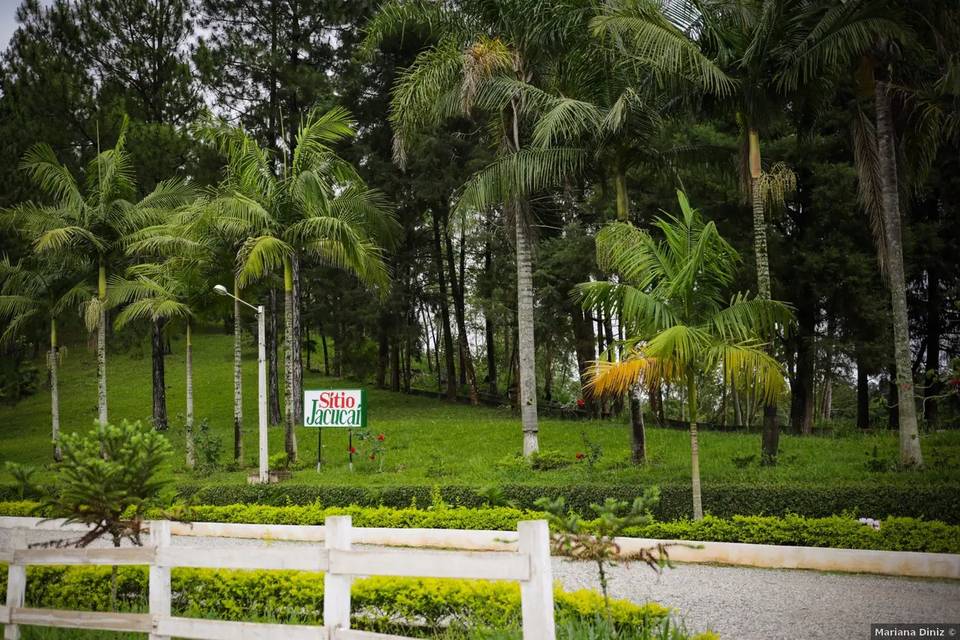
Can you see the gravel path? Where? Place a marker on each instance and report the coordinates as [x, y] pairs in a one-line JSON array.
[[744, 603]]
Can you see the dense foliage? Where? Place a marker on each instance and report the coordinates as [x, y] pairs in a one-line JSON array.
[[537, 121], [895, 533], [291, 596]]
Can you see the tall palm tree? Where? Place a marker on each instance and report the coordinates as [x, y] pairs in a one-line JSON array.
[[671, 294], [486, 59], [903, 72], [39, 293], [161, 293], [317, 207], [92, 224], [749, 54]]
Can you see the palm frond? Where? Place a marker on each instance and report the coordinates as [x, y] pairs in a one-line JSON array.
[[259, 256], [646, 35], [518, 175], [41, 164]]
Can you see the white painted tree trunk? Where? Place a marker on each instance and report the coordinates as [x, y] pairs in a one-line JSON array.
[[289, 431], [527, 347], [237, 378], [694, 448], [191, 457], [102, 348], [53, 363], [910, 453]]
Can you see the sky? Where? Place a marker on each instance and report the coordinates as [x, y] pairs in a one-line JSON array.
[[8, 23]]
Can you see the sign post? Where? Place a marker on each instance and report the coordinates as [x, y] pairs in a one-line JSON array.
[[337, 409]]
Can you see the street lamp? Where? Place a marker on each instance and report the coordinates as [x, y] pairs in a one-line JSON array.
[[261, 379]]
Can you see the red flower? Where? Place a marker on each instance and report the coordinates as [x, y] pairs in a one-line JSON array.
[[381, 437], [580, 456], [955, 382], [353, 450], [580, 403]]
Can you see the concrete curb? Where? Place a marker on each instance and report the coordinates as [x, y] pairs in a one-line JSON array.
[[891, 563]]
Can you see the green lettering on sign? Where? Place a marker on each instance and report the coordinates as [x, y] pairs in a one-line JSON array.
[[338, 408]]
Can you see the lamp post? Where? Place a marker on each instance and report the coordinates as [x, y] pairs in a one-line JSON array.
[[264, 475]]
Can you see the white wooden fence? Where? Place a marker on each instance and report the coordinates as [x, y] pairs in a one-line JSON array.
[[529, 565]]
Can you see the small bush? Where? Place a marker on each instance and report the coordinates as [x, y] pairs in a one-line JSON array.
[[548, 459], [379, 603], [208, 448]]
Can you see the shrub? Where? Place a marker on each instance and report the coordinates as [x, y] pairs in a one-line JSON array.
[[295, 596], [548, 459], [931, 502], [208, 448], [895, 534], [108, 478], [928, 501]]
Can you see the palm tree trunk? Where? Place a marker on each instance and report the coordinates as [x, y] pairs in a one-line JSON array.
[[54, 391], [237, 378], [102, 345], [159, 377], [191, 459], [694, 447], [296, 342], [910, 453], [526, 346], [289, 434], [525, 338], [638, 446], [273, 384], [770, 440]]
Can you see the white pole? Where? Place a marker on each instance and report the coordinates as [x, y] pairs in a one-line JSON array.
[[336, 587], [536, 594], [262, 392], [159, 579]]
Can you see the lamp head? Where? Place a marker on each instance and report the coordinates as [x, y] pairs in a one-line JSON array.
[[222, 290]]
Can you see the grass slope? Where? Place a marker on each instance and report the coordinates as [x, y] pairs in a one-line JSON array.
[[430, 441]]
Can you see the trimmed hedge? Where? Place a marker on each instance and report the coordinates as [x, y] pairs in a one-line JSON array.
[[930, 502], [895, 534], [297, 597]]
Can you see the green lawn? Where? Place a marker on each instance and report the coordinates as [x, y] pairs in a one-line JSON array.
[[431, 442]]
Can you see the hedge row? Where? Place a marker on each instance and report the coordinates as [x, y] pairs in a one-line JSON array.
[[297, 597], [931, 502], [895, 534]]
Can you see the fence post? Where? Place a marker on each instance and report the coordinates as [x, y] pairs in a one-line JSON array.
[[536, 594], [336, 588], [159, 577], [16, 585]]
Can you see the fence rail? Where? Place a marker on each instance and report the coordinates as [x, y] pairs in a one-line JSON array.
[[529, 565]]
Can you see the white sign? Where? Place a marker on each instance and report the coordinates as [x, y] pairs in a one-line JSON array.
[[343, 408]]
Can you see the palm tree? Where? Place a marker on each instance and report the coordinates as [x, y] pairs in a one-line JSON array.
[[317, 206], [749, 54], [487, 59], [41, 293], [681, 327], [92, 224], [888, 77], [159, 294]]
